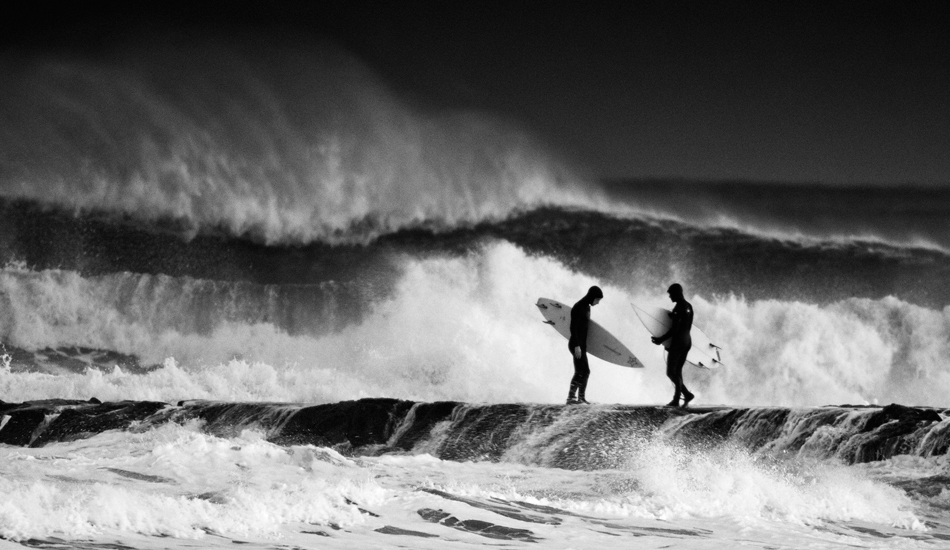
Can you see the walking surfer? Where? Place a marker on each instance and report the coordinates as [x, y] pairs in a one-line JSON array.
[[680, 342], [580, 319]]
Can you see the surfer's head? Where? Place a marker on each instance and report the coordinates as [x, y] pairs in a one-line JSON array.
[[675, 291], [594, 295]]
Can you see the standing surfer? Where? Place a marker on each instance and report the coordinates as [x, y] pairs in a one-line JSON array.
[[580, 319], [680, 342]]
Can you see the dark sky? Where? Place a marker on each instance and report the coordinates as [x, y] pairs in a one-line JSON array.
[[857, 92]]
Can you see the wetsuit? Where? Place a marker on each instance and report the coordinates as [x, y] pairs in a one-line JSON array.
[[580, 318], [680, 343]]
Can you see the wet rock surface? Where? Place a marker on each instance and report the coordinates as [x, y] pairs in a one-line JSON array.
[[571, 437]]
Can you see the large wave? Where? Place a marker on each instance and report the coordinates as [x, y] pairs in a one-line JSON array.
[[294, 141], [291, 141], [460, 328], [622, 250]]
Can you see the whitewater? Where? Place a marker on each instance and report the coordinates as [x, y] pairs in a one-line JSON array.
[[278, 305]]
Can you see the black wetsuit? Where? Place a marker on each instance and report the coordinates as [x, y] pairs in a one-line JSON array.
[[680, 344], [580, 318]]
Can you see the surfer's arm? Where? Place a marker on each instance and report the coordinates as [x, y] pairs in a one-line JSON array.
[[677, 320], [579, 326], [581, 339]]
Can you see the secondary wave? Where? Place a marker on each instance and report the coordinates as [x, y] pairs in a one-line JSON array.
[[175, 480]]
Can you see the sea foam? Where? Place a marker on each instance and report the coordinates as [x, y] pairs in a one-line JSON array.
[[465, 328]]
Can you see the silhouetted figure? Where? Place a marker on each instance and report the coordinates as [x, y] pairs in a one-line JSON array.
[[577, 344], [680, 342]]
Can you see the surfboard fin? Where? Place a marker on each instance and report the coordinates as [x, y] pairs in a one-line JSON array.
[[718, 358]]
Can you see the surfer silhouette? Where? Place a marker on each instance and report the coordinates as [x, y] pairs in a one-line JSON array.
[[580, 319], [680, 342]]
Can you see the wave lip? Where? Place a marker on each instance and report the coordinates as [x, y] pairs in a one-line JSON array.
[[569, 437], [878, 216]]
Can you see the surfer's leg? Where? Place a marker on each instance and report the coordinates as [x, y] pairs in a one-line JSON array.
[[577, 378], [678, 373], [687, 395], [584, 374], [671, 361]]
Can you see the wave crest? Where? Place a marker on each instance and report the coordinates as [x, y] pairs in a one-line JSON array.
[[290, 144]]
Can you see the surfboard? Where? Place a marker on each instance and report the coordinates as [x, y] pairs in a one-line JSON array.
[[600, 343], [704, 354]]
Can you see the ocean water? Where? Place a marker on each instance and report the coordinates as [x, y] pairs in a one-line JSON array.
[[286, 229]]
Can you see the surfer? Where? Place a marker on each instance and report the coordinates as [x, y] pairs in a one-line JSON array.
[[680, 342], [580, 319]]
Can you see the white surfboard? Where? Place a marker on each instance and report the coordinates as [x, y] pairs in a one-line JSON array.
[[704, 354], [600, 343]]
